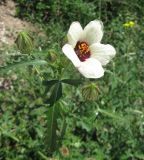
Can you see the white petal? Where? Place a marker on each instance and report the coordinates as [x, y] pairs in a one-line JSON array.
[[70, 53], [91, 68], [93, 32], [103, 53], [75, 33]]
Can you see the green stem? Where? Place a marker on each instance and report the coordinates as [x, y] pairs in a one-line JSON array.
[[43, 156]]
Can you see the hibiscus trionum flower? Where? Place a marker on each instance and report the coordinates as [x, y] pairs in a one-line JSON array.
[[85, 51]]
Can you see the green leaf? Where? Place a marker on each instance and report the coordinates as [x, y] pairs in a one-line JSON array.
[[52, 115], [49, 84], [56, 93], [110, 114], [22, 64], [73, 82], [139, 156], [9, 134], [51, 137]]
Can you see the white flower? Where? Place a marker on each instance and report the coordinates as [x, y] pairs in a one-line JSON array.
[[85, 50]]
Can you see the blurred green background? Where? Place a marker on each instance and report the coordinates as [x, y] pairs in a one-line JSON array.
[[110, 127]]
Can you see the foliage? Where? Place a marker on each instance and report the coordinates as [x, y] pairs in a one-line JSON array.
[[44, 11], [108, 127]]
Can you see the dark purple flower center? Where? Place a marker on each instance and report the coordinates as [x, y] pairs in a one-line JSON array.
[[82, 50]]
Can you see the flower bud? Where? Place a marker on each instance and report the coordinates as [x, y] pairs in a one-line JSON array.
[[52, 56], [24, 42], [90, 92]]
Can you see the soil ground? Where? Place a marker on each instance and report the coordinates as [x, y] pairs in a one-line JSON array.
[[10, 25]]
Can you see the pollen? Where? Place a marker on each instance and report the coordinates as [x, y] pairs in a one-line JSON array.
[[82, 50]]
